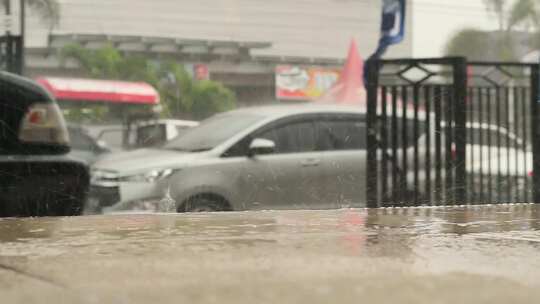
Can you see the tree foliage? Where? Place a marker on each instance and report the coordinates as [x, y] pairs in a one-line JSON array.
[[497, 7], [470, 43], [209, 97], [481, 45], [524, 12], [48, 10], [181, 96]]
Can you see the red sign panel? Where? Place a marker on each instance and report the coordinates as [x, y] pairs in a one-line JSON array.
[[201, 72]]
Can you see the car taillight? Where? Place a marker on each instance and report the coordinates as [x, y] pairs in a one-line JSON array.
[[43, 123]]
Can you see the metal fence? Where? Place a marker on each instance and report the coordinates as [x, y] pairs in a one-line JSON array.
[[11, 53], [446, 131]]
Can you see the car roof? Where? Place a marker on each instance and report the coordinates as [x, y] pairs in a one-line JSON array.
[[478, 125], [277, 111], [30, 90], [176, 122], [312, 108]]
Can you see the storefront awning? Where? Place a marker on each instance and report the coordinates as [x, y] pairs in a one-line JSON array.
[[91, 90]]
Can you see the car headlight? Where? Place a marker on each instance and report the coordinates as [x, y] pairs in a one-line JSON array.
[[149, 177]]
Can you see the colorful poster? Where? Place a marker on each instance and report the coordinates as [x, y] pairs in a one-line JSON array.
[[301, 83]]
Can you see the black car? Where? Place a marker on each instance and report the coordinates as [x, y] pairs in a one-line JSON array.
[[37, 177]]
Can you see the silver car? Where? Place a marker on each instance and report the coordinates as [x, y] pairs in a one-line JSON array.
[[277, 157]]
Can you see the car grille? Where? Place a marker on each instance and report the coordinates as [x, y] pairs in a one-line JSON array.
[[105, 196]]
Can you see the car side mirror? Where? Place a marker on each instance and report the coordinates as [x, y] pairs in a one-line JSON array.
[[102, 147], [261, 146]]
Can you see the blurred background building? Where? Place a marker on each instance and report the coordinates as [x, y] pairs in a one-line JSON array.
[[240, 43]]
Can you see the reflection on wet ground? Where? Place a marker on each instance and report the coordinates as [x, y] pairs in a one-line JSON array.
[[487, 254]]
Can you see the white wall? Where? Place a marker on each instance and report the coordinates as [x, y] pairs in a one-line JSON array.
[[307, 28]]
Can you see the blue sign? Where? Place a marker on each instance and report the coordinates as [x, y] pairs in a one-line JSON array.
[[392, 26]]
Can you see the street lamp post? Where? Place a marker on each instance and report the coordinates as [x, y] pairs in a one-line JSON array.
[[22, 21], [7, 50]]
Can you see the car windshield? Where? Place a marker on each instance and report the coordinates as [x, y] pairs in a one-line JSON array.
[[213, 132]]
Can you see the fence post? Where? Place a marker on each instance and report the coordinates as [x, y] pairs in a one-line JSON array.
[[535, 125], [460, 130], [372, 175]]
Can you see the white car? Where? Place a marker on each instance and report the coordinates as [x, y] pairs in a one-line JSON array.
[[499, 164], [277, 157]]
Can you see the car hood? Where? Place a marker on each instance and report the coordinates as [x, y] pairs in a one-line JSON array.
[[143, 160]]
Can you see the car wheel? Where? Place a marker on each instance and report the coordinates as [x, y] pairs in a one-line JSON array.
[[203, 204]]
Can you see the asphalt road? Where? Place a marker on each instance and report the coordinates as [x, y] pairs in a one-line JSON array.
[[420, 255]]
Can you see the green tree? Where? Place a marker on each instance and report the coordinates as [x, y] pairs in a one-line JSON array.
[[209, 97], [524, 13], [48, 10], [181, 96], [497, 7], [470, 43], [479, 45], [108, 63]]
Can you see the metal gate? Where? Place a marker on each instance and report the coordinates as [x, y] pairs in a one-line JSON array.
[[11, 53], [446, 131]]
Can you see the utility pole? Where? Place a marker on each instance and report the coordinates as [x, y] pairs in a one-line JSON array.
[[22, 21], [7, 51]]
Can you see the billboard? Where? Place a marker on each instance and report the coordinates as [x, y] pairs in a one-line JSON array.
[[304, 83]]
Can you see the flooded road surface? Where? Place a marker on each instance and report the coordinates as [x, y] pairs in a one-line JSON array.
[[487, 254]]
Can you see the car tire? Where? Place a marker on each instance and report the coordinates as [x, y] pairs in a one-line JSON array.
[[203, 204]]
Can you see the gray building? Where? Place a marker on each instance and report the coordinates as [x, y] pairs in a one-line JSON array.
[[241, 41]]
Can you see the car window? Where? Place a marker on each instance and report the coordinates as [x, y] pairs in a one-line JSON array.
[[341, 134], [213, 132], [396, 127], [181, 130], [80, 141], [151, 136], [492, 138], [292, 138], [112, 137]]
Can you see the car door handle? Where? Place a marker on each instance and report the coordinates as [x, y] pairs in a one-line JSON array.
[[310, 162]]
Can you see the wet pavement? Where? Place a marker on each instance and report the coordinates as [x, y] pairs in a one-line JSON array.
[[488, 254]]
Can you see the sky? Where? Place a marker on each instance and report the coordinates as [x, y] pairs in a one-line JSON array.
[[434, 22]]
